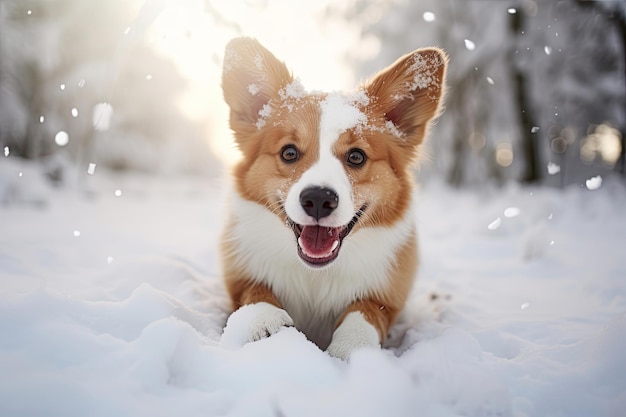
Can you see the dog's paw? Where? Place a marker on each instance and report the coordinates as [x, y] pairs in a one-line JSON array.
[[354, 332], [268, 320], [253, 322]]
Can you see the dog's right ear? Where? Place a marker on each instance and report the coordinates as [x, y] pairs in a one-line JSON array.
[[251, 77]]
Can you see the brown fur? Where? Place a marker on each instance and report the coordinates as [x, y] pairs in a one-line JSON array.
[[382, 308], [384, 183]]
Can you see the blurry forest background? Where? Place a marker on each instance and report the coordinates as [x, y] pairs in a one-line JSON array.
[[537, 88]]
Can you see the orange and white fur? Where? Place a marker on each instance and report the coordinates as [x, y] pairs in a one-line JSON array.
[[321, 231]]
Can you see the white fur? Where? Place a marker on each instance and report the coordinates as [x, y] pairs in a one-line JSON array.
[[327, 172], [268, 321], [315, 298], [354, 332], [338, 113], [252, 322]]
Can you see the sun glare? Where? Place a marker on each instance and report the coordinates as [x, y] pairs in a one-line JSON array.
[[194, 33]]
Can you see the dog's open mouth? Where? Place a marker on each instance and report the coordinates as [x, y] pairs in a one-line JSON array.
[[318, 245]]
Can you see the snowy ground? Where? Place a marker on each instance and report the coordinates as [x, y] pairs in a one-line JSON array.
[[111, 305]]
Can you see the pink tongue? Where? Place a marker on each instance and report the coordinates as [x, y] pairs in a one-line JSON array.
[[318, 241]]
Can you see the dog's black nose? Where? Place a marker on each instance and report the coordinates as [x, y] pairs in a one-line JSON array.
[[319, 202]]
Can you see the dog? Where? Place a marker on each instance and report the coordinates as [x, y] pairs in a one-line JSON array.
[[321, 232]]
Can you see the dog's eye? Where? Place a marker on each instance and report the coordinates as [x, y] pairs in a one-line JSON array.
[[289, 153], [356, 157]]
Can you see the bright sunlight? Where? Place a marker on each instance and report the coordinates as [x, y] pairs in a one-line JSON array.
[[194, 33]]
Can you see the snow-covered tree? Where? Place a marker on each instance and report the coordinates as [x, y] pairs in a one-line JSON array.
[[61, 58], [475, 136], [574, 59], [528, 82]]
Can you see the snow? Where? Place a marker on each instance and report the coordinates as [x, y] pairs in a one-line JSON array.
[[512, 212], [91, 168], [264, 113], [254, 89], [102, 113], [429, 17], [293, 90], [61, 138], [553, 168], [339, 113], [594, 183], [126, 319], [494, 225]]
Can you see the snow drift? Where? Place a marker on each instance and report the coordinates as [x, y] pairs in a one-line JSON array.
[[111, 304]]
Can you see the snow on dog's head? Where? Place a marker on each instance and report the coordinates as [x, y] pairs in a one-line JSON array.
[[329, 164]]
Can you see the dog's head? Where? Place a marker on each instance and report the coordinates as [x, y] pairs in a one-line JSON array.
[[329, 163]]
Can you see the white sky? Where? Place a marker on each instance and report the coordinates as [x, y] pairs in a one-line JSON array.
[[314, 47]]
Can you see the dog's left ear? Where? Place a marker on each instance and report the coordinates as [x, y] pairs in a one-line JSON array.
[[409, 92], [251, 77]]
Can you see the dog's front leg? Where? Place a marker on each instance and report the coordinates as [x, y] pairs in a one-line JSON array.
[[270, 316], [365, 323]]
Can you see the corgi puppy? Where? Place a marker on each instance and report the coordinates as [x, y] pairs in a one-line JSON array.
[[321, 231]]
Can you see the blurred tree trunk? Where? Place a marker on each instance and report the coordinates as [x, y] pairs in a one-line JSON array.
[[620, 22], [529, 146], [457, 170], [618, 16], [32, 92]]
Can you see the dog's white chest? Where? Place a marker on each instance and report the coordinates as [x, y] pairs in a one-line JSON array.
[[314, 298]]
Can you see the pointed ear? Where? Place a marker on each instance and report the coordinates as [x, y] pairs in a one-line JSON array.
[[251, 77], [409, 92]]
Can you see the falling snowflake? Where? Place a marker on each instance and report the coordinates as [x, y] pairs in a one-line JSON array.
[[495, 224], [102, 113], [594, 183], [534, 129], [469, 45], [429, 16], [512, 212], [553, 168], [6, 151], [62, 138], [91, 169]]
